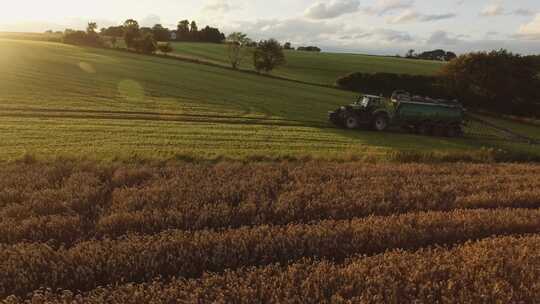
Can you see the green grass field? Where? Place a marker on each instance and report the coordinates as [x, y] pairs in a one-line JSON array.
[[59, 100], [320, 68]]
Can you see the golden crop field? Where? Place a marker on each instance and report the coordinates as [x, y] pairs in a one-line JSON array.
[[291, 232]]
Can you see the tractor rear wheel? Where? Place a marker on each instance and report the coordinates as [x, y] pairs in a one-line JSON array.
[[380, 123], [352, 121], [424, 129]]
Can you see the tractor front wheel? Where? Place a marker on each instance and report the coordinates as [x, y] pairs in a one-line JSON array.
[[380, 123], [352, 121]]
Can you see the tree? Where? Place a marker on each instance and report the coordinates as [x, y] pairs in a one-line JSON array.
[[498, 80], [450, 56], [193, 31], [236, 43], [287, 46], [165, 48], [211, 34], [160, 33], [193, 27], [309, 49], [268, 55], [131, 32], [113, 31], [182, 32], [91, 28], [410, 54]]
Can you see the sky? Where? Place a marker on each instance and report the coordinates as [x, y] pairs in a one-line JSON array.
[[361, 26]]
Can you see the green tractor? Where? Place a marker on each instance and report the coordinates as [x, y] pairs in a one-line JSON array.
[[416, 114]]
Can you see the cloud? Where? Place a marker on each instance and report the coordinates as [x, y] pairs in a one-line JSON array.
[[492, 10], [383, 7], [218, 6], [524, 12], [150, 20], [333, 9], [442, 38], [412, 16], [530, 30]]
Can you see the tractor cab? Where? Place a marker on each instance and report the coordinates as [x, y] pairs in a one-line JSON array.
[[369, 101]]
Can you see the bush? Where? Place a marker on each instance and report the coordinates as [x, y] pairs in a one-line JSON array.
[[386, 83], [309, 49], [165, 48], [146, 44], [82, 38]]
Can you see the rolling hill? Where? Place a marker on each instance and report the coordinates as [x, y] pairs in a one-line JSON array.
[[65, 100], [320, 68]]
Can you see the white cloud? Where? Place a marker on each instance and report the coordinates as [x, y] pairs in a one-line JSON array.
[[383, 7], [150, 20], [333, 9], [411, 16], [492, 10], [218, 6], [531, 30]]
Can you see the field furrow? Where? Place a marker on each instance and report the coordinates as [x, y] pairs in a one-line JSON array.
[[87, 265], [503, 269]]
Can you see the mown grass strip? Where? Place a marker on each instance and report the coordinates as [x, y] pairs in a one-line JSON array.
[[27, 267]]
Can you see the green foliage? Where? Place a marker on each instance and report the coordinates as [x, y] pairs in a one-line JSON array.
[[82, 38], [236, 45], [386, 83], [113, 31], [146, 44], [268, 55], [309, 49], [498, 80], [131, 32], [160, 33]]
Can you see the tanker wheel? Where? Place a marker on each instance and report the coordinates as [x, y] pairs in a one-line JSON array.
[[451, 131], [380, 123], [424, 129], [352, 121], [440, 130]]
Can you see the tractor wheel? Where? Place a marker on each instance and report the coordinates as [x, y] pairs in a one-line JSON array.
[[352, 121], [454, 131], [380, 123], [451, 131], [424, 129], [440, 130]]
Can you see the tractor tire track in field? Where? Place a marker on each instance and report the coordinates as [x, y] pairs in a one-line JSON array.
[[157, 116]]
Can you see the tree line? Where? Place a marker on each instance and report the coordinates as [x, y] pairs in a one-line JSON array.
[[498, 81], [185, 31], [439, 55]]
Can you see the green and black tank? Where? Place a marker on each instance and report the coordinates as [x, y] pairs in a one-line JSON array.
[[421, 115]]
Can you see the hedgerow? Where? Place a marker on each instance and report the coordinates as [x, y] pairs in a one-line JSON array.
[[498, 270], [87, 265]]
